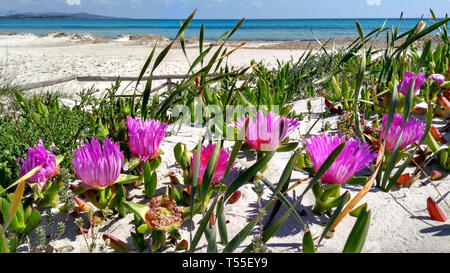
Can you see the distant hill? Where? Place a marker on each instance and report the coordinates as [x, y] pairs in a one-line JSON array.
[[57, 15]]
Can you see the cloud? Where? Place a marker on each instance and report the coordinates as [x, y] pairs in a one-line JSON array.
[[73, 2], [373, 2]]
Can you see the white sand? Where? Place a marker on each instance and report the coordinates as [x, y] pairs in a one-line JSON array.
[[27, 58], [400, 221]]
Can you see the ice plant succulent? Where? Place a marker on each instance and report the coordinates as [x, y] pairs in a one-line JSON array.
[[38, 156], [438, 79], [354, 157], [98, 166], [413, 131], [222, 162], [145, 137], [263, 133], [408, 79], [163, 214]]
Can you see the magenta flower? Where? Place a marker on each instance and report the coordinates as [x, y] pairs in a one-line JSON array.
[[437, 78], [354, 157], [221, 167], [97, 167], [145, 137], [263, 134], [413, 131], [407, 80], [38, 156]]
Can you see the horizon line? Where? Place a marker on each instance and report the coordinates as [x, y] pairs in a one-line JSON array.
[[118, 17]]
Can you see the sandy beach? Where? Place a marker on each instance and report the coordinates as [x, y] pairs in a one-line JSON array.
[[26, 58]]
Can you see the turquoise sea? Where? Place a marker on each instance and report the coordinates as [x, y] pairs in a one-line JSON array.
[[252, 29]]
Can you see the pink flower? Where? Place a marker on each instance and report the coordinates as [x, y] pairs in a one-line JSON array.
[[354, 157], [413, 131], [38, 156], [97, 167], [222, 162], [407, 80], [437, 78], [145, 137], [263, 134]]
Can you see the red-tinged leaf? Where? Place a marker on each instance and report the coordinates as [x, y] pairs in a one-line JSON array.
[[116, 243], [75, 213], [188, 189], [331, 107], [235, 197], [183, 245], [82, 204], [435, 175], [73, 187], [434, 211], [96, 220], [82, 231], [173, 178], [444, 102], [418, 159], [436, 135], [403, 179], [212, 219], [419, 110]]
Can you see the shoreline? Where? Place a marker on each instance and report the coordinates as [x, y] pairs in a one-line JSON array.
[[190, 42]]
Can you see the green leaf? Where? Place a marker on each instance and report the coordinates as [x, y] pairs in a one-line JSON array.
[[3, 242], [31, 222], [358, 180], [248, 174], [137, 209], [126, 179], [221, 223], [157, 240], [15, 203], [271, 230], [287, 147], [210, 233], [282, 184], [344, 199], [150, 181], [23, 178], [209, 171], [356, 212], [357, 237], [242, 235], [308, 243], [203, 223], [194, 187], [238, 25], [359, 81]]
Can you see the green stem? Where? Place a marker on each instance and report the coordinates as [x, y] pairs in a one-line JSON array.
[[102, 200]]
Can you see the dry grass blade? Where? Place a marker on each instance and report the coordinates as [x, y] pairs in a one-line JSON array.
[[15, 204], [364, 190]]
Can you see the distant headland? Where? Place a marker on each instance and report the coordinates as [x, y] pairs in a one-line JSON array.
[[58, 15]]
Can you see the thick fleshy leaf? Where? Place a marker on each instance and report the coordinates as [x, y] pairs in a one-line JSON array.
[[137, 209], [126, 179], [435, 211], [116, 243]]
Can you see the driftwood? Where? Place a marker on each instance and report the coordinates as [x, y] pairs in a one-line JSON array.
[[45, 83], [103, 79]]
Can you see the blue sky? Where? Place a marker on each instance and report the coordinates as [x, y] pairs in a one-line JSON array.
[[236, 8]]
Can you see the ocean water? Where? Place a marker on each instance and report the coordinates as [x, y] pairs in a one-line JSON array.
[[252, 29]]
